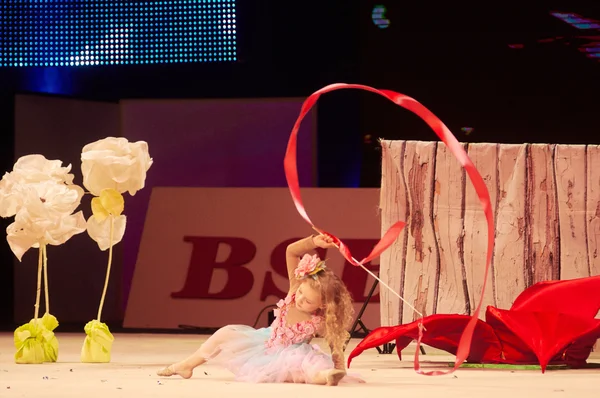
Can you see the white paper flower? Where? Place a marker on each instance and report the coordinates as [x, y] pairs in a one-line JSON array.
[[10, 200], [36, 168], [99, 231], [23, 234], [106, 208], [30, 169], [48, 197], [45, 216], [115, 163], [27, 232]]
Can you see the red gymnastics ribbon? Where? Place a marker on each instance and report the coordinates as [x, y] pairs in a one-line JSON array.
[[291, 173]]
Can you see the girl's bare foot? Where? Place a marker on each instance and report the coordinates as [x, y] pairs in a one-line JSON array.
[[172, 370], [334, 376], [330, 377]]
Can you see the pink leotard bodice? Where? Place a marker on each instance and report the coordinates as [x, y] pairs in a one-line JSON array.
[[283, 335]]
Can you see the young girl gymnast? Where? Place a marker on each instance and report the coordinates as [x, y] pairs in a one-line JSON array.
[[317, 303]]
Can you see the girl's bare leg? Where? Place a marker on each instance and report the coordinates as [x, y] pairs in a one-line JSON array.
[[209, 349], [186, 367]]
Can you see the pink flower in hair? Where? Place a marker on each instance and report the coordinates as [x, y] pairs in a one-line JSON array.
[[309, 266]]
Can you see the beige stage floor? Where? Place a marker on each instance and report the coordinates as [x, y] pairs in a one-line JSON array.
[[136, 357]]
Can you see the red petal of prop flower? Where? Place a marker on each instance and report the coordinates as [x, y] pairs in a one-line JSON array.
[[573, 296], [551, 323], [443, 332], [546, 333]]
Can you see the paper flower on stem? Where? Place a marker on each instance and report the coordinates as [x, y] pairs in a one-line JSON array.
[[110, 167], [44, 216], [106, 226], [41, 196], [29, 169], [115, 163]]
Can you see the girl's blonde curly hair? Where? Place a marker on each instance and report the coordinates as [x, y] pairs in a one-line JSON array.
[[338, 310]]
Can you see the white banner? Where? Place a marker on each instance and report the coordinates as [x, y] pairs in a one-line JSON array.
[[216, 256]]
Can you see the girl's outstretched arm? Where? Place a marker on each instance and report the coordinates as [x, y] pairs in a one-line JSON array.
[[292, 257], [299, 248]]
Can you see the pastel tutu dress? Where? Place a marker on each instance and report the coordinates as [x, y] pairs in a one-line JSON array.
[[276, 354]]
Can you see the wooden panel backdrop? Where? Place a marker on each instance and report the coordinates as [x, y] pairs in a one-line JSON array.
[[546, 205]]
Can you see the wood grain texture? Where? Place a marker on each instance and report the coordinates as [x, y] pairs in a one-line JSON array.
[[394, 207], [592, 204], [484, 156], [448, 217], [546, 202], [593, 208], [509, 261], [571, 181], [421, 256], [542, 250]]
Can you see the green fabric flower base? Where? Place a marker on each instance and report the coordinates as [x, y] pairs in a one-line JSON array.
[[98, 343], [35, 341]]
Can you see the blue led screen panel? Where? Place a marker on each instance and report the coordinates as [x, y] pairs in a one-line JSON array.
[[112, 32]]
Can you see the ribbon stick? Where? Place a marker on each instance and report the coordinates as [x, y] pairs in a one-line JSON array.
[[383, 242], [291, 173]]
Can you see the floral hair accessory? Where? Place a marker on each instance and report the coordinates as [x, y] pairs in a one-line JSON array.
[[309, 266]]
